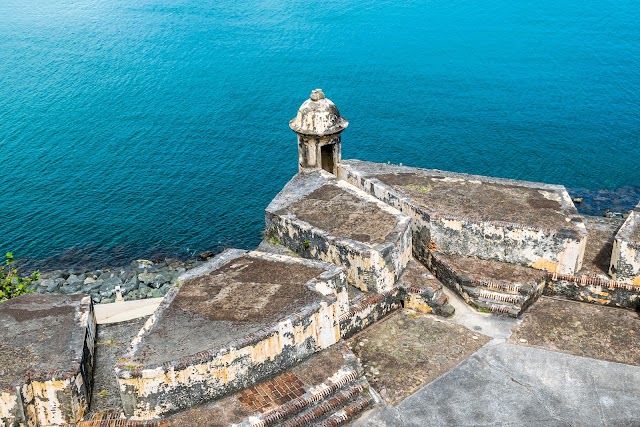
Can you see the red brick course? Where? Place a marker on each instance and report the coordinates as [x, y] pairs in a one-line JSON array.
[[272, 393]]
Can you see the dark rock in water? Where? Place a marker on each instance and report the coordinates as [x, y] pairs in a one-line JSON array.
[[70, 289], [143, 289], [597, 202], [205, 256], [50, 284], [159, 280], [113, 282], [141, 264], [127, 275], [92, 287], [146, 277], [173, 263], [57, 274], [74, 280], [108, 286], [130, 285], [106, 275], [165, 288], [610, 214]]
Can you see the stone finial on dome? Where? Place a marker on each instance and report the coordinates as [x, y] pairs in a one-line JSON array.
[[318, 116]]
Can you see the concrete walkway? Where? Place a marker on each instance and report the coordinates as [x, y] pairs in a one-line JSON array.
[[124, 311], [509, 385]]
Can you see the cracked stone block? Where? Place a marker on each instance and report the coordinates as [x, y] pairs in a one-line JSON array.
[[424, 292], [526, 223], [46, 349], [234, 321], [321, 217], [625, 259]]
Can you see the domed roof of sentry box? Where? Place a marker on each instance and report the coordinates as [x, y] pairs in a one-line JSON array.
[[318, 116]]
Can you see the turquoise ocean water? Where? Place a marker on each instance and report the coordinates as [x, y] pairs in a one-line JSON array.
[[139, 128]]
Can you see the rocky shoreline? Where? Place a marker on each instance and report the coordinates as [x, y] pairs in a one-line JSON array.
[[141, 279]]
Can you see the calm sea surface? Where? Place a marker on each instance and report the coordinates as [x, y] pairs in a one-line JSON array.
[[138, 128]]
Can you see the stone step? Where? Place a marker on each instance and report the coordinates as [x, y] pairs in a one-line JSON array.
[[334, 401], [320, 400], [491, 286], [322, 389], [328, 408], [489, 295], [348, 412]]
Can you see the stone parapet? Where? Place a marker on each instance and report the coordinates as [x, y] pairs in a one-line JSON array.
[[320, 217], [625, 259], [367, 310], [424, 292], [239, 319], [593, 290], [525, 223], [46, 349]]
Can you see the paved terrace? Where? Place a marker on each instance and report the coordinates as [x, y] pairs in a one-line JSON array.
[[565, 364]]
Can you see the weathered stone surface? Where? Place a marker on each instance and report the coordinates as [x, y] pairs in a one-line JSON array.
[[625, 260], [111, 341], [597, 253], [513, 386], [318, 216], [407, 350], [234, 321], [581, 329], [423, 291], [367, 309], [593, 290], [592, 283], [46, 354], [530, 224]]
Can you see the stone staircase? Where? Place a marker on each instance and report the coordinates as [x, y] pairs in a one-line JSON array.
[[330, 394], [329, 404], [327, 389], [490, 286]]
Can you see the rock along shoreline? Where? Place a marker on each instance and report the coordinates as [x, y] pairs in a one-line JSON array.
[[140, 279]]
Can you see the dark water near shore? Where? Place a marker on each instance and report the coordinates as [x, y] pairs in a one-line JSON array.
[[151, 128]]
